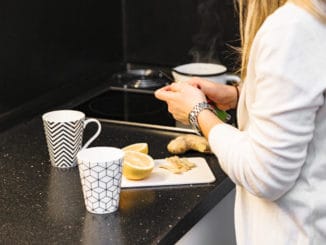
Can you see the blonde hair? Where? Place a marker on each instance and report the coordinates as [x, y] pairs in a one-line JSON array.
[[252, 14]]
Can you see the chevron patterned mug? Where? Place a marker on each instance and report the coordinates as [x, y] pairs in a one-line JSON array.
[[64, 135]]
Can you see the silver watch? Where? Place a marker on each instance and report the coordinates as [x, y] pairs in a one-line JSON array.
[[192, 117]]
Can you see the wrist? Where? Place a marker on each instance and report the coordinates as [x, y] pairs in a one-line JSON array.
[[207, 120], [193, 115]]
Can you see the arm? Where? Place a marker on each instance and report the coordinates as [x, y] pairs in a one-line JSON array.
[[267, 157]]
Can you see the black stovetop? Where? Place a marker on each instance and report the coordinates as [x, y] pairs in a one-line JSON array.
[[129, 97]]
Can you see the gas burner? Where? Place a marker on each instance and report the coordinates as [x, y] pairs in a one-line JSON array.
[[141, 79], [144, 73], [147, 83]]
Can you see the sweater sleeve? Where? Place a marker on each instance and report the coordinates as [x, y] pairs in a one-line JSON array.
[[266, 158]]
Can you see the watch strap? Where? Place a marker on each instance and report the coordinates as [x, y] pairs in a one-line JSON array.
[[193, 115]]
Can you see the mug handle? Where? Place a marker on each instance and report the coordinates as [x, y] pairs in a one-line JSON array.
[[99, 128], [232, 78]]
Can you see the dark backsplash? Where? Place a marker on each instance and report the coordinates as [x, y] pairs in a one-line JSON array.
[[63, 47], [173, 32], [48, 46]]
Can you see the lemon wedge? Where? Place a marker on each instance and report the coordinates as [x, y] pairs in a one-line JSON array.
[[139, 147], [137, 165]]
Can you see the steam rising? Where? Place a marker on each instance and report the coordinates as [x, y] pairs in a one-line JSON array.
[[209, 38]]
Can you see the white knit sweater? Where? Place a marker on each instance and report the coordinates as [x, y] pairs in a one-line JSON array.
[[277, 157]]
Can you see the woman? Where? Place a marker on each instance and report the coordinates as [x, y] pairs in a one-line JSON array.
[[277, 156]]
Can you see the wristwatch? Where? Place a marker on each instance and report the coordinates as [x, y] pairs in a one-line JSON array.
[[192, 117]]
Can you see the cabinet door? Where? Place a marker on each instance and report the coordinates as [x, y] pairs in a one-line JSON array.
[[215, 227]]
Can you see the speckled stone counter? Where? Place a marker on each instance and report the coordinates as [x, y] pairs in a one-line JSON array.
[[40, 204]]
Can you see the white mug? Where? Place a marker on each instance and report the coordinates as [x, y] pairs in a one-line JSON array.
[[100, 170], [213, 72], [64, 135]]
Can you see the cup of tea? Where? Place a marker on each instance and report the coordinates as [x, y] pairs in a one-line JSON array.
[[64, 135], [100, 170]]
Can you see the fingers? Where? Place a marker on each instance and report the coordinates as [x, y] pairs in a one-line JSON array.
[[168, 92], [195, 82], [163, 93], [178, 87]]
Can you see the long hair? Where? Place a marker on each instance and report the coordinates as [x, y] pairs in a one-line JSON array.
[[252, 14]]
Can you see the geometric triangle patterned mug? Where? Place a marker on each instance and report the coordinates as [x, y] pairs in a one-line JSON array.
[[64, 136]]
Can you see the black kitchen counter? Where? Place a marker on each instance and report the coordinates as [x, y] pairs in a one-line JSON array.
[[40, 204]]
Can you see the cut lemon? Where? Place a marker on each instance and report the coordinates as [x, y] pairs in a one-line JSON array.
[[137, 165], [139, 147]]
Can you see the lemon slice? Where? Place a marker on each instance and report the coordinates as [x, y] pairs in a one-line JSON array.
[[137, 165], [139, 147]]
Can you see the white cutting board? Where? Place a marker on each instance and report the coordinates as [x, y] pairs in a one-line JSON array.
[[162, 177]]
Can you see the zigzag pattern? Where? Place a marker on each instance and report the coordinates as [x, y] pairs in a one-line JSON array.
[[64, 140]]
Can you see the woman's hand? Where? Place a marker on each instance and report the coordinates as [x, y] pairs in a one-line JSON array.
[[224, 96], [180, 98]]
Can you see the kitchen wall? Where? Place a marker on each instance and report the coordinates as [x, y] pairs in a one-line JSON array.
[[173, 32], [55, 48]]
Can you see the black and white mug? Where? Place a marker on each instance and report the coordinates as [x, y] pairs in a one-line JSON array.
[[100, 170], [64, 135]]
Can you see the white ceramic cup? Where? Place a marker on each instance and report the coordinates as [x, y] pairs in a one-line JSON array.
[[100, 170], [64, 135], [213, 72]]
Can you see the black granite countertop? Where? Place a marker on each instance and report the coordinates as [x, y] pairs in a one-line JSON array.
[[40, 204]]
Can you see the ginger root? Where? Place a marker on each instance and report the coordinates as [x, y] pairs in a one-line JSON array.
[[177, 165], [186, 142]]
